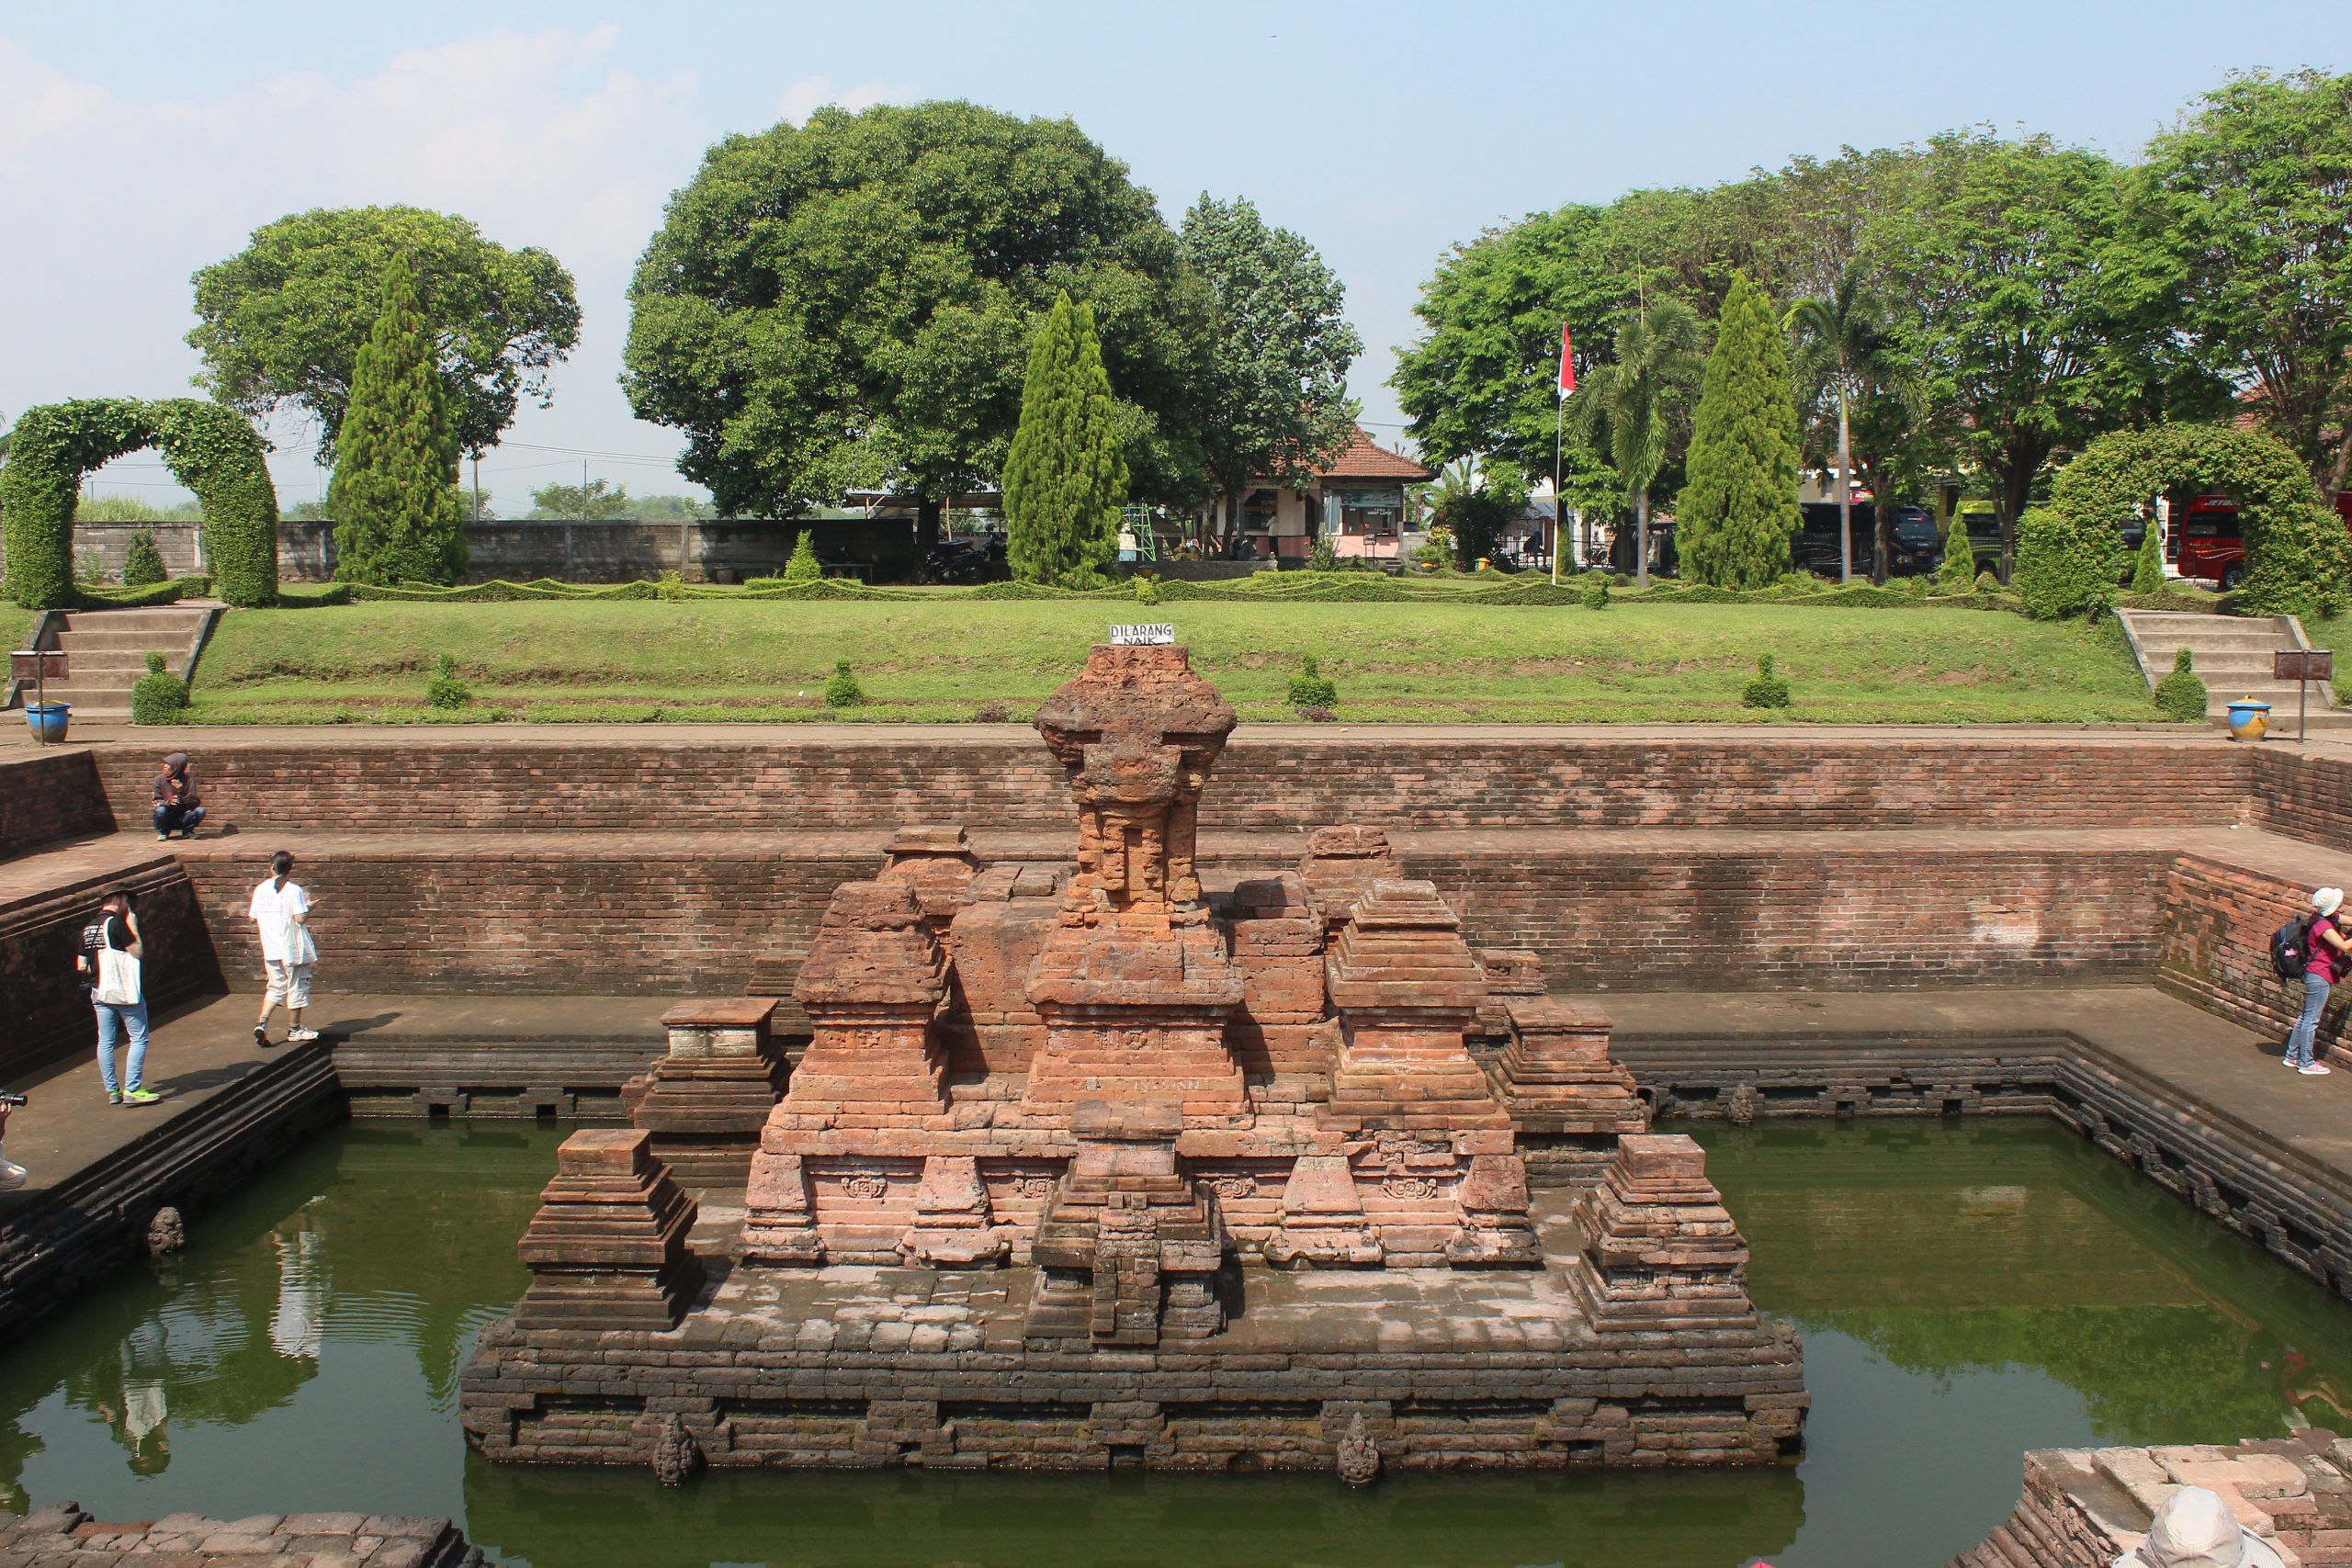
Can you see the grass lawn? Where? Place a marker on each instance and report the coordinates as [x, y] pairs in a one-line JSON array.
[[16, 625], [950, 658]]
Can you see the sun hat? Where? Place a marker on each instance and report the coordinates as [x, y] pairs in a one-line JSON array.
[[2196, 1530], [2327, 899]]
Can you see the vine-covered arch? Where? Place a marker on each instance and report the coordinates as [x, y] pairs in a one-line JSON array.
[[2297, 551], [209, 448]]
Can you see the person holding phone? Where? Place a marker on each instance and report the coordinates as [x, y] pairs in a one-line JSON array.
[[281, 911]]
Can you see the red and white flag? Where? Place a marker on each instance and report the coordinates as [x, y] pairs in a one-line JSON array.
[[1567, 363]]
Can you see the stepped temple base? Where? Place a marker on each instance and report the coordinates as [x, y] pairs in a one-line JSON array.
[[856, 1366]]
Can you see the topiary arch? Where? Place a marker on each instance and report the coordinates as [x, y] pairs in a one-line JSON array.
[[209, 448], [2298, 553]]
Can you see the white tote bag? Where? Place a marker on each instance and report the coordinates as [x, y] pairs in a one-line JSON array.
[[118, 978]]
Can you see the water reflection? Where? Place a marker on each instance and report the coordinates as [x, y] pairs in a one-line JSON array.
[[1966, 1292], [1955, 1249]]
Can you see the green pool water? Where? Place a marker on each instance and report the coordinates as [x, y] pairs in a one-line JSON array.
[[1966, 1292]]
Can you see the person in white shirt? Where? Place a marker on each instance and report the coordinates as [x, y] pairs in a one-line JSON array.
[[281, 913]]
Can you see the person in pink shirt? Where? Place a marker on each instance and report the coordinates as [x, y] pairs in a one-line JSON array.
[[2327, 964]]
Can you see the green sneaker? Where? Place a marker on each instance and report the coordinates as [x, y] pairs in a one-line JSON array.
[[139, 1097]]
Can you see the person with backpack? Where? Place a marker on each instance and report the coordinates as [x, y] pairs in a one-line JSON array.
[[2314, 946]]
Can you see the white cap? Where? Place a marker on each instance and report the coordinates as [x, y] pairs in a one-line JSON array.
[[2196, 1530], [2327, 899]]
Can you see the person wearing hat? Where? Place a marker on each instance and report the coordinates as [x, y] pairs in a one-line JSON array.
[[2196, 1530], [2325, 966]]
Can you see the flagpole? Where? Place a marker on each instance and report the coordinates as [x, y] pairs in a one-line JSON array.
[[1559, 508]]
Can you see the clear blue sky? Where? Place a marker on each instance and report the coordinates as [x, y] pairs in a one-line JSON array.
[[140, 142]]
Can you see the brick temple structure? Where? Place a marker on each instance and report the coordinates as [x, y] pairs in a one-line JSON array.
[[1082, 1165]]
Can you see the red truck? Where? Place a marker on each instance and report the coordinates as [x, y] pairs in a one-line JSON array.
[[2207, 542]]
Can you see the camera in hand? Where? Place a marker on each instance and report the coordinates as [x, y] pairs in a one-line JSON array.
[[11, 1100]]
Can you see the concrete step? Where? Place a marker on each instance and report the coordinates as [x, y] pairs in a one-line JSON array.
[[124, 641], [2216, 643], [169, 622], [113, 660], [87, 697]]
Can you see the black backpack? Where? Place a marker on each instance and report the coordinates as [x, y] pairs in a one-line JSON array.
[[2290, 949]]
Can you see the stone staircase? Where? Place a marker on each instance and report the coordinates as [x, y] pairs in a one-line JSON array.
[[2232, 655], [106, 653]]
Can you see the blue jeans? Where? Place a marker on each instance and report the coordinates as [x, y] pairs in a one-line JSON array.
[[179, 818], [112, 1021], [2300, 1044]]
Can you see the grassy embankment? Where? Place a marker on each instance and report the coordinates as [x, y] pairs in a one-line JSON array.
[[950, 658]]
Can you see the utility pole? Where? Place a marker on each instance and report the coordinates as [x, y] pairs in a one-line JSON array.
[[583, 490], [477, 486]]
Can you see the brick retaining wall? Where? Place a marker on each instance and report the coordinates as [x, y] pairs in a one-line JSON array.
[[52, 796], [48, 1012], [1404, 784]]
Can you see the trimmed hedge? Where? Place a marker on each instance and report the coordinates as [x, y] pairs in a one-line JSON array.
[[2068, 562], [206, 448]]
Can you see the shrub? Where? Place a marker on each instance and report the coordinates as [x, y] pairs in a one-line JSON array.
[[1957, 574], [2148, 565], [1146, 591], [1767, 689], [1322, 558], [804, 566], [2181, 696], [1592, 590], [144, 563], [1310, 688], [842, 691], [670, 588], [157, 697], [1987, 583], [444, 691]]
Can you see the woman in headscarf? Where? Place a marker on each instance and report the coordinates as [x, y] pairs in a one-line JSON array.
[[178, 810]]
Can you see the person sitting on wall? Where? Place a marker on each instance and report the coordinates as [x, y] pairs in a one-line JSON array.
[[177, 809]]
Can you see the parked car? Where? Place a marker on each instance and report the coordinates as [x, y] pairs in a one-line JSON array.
[[968, 559], [2208, 542], [1916, 546]]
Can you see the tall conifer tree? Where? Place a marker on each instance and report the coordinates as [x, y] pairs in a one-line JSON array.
[[1067, 475], [1739, 504], [395, 496]]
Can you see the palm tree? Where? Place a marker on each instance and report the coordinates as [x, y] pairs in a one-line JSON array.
[[1840, 341], [1638, 398]]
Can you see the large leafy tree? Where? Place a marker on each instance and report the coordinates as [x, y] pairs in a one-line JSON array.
[[1481, 379], [395, 495], [1739, 503], [2002, 271], [1066, 474], [850, 303], [282, 320], [2245, 213], [1275, 404], [1635, 406]]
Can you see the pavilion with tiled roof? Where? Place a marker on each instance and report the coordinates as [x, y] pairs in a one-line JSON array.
[[1358, 500]]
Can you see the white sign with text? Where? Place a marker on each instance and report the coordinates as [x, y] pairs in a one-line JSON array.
[[1153, 633]]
